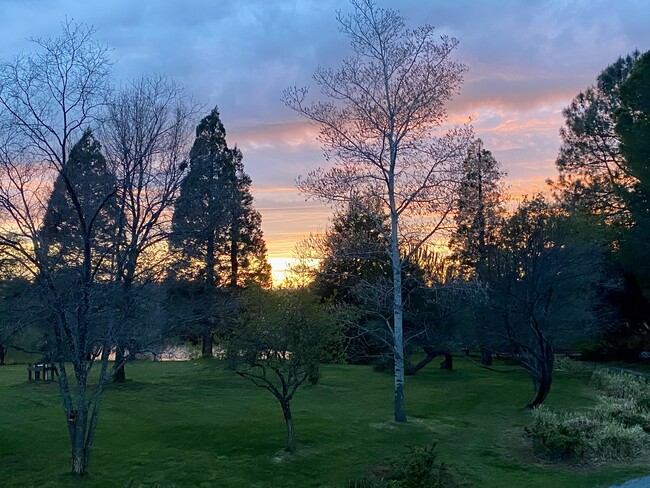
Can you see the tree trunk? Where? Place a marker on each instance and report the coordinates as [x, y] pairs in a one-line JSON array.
[[234, 248], [120, 373], [78, 463], [544, 378], [486, 356], [206, 342], [448, 362], [398, 337], [3, 354], [286, 411], [77, 423], [431, 354], [542, 389]]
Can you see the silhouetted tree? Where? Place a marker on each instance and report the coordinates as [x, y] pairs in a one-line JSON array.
[[48, 98], [147, 130], [543, 289], [480, 207], [93, 190], [592, 170], [215, 228]]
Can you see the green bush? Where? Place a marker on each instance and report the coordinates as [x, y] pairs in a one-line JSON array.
[[618, 385], [560, 436], [617, 428], [366, 481], [417, 469], [569, 365], [615, 441], [625, 411], [420, 470]]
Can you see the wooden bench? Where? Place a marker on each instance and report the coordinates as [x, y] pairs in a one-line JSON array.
[[42, 372]]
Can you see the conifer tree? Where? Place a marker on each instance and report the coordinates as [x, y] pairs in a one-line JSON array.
[[215, 228], [480, 205], [92, 187]]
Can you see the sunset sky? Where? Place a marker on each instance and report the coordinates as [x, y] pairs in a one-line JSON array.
[[527, 59]]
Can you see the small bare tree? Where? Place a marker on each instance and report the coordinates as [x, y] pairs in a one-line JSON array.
[[542, 290], [384, 104]]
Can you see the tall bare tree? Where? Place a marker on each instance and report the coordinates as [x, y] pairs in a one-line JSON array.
[[146, 134], [47, 99], [377, 122]]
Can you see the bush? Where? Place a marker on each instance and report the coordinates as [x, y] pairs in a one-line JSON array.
[[569, 365], [618, 385], [615, 441], [366, 481], [560, 436], [383, 364], [624, 411], [420, 470], [417, 469], [617, 428]]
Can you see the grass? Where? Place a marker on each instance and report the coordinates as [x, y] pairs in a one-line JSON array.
[[194, 424]]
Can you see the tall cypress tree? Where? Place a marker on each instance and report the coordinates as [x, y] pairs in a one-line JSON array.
[[215, 228]]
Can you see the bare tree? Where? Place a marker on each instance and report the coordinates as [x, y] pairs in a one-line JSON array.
[[384, 104], [542, 289], [146, 134], [47, 99]]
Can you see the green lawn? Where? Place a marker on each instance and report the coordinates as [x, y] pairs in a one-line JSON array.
[[194, 424]]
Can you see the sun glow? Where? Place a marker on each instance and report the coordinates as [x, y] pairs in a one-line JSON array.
[[280, 268]]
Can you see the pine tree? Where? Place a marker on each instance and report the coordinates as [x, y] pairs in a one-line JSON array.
[[215, 228], [84, 181], [480, 205]]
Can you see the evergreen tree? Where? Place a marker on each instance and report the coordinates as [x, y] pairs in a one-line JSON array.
[[603, 174], [84, 182], [593, 173], [633, 128], [215, 227], [480, 206], [353, 251]]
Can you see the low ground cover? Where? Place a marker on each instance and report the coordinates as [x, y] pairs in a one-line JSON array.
[[195, 424]]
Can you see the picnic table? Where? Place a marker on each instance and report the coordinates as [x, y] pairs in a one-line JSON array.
[[42, 371]]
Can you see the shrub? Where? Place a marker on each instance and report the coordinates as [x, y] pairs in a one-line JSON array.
[[365, 481], [569, 365], [417, 469], [615, 429], [615, 441], [625, 411], [618, 385], [420, 470], [560, 436], [383, 364]]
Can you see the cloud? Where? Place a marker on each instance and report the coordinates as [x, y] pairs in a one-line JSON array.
[[526, 61]]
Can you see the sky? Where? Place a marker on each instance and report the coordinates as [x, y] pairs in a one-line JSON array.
[[527, 59]]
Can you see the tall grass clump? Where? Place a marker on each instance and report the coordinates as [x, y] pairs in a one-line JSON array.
[[616, 428]]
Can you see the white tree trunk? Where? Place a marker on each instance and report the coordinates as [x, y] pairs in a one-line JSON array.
[[398, 334]]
